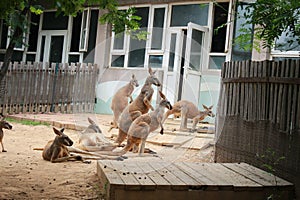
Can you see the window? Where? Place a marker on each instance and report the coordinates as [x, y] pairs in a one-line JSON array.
[[183, 14], [128, 51], [53, 22], [219, 33], [237, 52], [84, 30], [3, 35]]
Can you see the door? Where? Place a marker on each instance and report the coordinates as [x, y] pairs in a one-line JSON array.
[[196, 56], [52, 46], [174, 55]]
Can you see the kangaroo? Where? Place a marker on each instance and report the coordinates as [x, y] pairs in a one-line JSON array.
[[92, 139], [57, 150], [187, 110], [142, 126], [3, 125], [139, 106], [120, 100]]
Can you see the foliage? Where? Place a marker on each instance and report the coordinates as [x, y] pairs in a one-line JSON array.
[[273, 18]]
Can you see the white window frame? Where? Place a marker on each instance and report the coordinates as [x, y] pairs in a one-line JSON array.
[[85, 30]]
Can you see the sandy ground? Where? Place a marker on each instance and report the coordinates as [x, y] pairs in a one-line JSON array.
[[25, 175]]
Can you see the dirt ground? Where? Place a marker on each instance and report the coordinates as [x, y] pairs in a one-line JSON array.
[[25, 175]]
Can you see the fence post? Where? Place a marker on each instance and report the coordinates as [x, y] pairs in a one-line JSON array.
[[54, 87]]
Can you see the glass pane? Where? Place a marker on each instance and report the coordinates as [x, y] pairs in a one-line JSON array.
[[283, 44], [84, 30], [30, 57], [183, 14], [216, 62], [155, 61], [237, 52], [76, 33], [117, 61], [51, 22], [119, 41], [56, 49], [220, 19], [196, 50], [158, 25], [73, 58], [137, 48], [4, 32], [42, 48], [34, 31], [172, 52]]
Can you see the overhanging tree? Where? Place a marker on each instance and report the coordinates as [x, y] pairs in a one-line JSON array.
[[272, 19], [15, 14]]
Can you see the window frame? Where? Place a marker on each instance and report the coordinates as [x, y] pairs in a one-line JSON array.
[[86, 29]]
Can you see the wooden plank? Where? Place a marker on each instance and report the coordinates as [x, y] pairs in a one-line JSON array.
[[168, 140], [131, 167], [162, 169], [197, 143], [257, 175], [131, 183], [111, 174], [197, 174], [158, 179]]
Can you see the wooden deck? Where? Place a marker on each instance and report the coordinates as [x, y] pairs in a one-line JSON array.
[[153, 178]]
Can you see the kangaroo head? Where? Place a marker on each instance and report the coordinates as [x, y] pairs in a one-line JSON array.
[[134, 81], [152, 79], [164, 102], [62, 138], [94, 126], [4, 124], [208, 110]]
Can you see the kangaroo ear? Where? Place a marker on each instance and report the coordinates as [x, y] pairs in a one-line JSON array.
[[62, 130], [162, 95], [91, 121], [57, 132], [210, 107], [205, 107], [133, 76], [150, 71]]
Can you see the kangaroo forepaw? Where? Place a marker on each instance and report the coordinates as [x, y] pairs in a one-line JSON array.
[[87, 162], [162, 131], [119, 158], [4, 150], [124, 157]]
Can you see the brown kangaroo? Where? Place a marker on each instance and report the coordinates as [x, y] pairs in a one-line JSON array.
[[187, 110], [57, 150], [3, 125], [120, 100], [139, 106], [142, 126]]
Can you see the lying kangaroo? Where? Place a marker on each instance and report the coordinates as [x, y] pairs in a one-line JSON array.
[[139, 106], [187, 110], [142, 126], [120, 100], [57, 150], [3, 125], [92, 139]]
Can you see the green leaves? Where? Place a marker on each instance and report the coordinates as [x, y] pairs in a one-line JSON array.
[[272, 18]]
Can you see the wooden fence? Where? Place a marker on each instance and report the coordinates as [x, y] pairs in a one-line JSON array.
[[38, 88], [258, 118]]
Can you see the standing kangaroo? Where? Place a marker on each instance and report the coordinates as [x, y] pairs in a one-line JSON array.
[[139, 106], [142, 126], [120, 100], [187, 110], [3, 125]]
